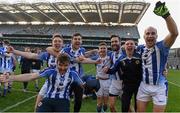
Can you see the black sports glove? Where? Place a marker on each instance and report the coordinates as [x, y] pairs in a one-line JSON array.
[[161, 10]]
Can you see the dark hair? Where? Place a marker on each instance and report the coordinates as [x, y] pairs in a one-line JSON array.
[[1, 42], [102, 44], [56, 35], [76, 34], [127, 39], [112, 36], [63, 58], [6, 42]]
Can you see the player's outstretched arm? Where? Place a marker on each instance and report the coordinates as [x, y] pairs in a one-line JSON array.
[[88, 61], [28, 55], [19, 78], [173, 32], [161, 10], [52, 51], [91, 52]]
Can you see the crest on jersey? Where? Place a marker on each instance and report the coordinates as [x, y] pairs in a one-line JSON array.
[[137, 61], [123, 63]]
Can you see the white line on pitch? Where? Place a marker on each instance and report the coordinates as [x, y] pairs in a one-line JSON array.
[[174, 84], [23, 91], [17, 104]]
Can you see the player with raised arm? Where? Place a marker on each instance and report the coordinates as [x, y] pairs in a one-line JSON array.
[[154, 57]]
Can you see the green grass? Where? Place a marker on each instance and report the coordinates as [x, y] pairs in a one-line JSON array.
[[89, 105]]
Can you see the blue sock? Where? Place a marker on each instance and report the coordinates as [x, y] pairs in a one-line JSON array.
[[4, 92]]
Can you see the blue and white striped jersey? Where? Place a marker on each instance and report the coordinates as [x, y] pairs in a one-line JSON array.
[[99, 67], [58, 85], [114, 68], [2, 50], [45, 56], [153, 63], [74, 54], [6, 62], [114, 57]]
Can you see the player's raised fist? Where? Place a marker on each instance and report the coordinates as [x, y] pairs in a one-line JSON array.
[[161, 10]]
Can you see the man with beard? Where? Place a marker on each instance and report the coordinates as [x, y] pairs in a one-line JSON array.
[[115, 89], [129, 69]]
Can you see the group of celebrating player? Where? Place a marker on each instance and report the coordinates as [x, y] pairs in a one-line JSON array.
[[124, 71]]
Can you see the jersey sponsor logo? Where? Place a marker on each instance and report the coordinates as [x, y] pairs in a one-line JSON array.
[[123, 63], [137, 62]]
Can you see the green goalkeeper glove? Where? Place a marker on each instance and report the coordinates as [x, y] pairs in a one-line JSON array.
[[161, 10]]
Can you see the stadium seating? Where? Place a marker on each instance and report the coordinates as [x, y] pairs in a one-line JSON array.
[[40, 35]]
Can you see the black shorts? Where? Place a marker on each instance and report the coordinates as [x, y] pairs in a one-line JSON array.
[[53, 105]]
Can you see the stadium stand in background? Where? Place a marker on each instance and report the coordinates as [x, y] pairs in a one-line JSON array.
[[32, 24], [174, 58]]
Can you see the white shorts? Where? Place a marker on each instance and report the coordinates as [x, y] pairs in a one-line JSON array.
[[158, 93], [116, 87], [104, 88]]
